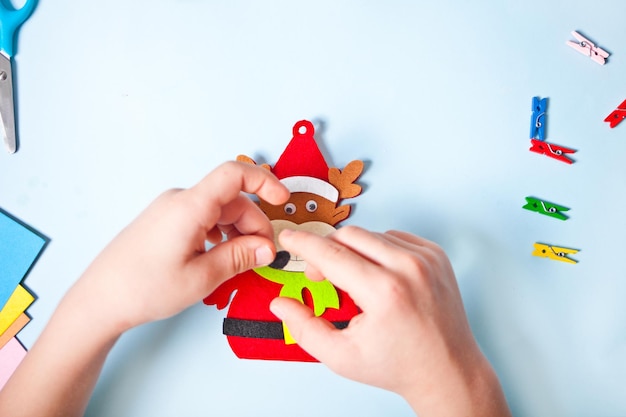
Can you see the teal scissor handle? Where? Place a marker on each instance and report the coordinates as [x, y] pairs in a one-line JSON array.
[[10, 21]]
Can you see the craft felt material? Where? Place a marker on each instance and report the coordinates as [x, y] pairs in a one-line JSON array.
[[19, 248], [253, 331], [315, 205], [14, 329], [17, 304], [11, 355], [294, 283]]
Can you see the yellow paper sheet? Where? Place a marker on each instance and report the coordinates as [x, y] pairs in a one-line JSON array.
[[17, 304]]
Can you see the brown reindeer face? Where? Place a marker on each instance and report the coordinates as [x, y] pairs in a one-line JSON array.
[[303, 211], [316, 192], [307, 207]]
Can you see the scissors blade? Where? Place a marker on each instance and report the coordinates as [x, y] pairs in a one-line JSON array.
[[7, 111]]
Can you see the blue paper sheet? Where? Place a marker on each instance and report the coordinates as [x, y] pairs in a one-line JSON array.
[[19, 248]]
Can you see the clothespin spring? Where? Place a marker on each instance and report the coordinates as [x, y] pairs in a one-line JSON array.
[[537, 122]]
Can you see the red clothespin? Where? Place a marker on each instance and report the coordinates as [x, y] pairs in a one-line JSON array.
[[617, 115], [553, 151]]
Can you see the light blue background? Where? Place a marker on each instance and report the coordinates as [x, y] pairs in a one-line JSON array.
[[119, 100]]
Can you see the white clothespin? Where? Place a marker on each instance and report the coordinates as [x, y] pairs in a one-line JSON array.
[[586, 47]]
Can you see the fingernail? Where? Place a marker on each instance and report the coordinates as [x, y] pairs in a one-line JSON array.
[[263, 256], [287, 232], [276, 309]]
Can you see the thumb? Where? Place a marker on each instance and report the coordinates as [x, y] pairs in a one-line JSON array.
[[231, 257], [314, 334]]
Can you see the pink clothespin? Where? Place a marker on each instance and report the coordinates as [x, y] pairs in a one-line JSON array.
[[586, 47]]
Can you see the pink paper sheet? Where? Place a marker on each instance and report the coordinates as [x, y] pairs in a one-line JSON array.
[[10, 357]]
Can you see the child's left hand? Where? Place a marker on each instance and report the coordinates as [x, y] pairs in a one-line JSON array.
[[158, 265]]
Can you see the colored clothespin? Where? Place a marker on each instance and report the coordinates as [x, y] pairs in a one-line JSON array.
[[543, 207], [554, 252], [538, 118], [553, 151], [586, 47], [617, 115]]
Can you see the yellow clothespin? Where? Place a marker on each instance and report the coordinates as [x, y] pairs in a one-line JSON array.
[[554, 252]]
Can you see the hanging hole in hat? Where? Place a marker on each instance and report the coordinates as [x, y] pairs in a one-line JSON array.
[[303, 128]]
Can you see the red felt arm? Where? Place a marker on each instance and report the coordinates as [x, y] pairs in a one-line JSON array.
[[222, 294]]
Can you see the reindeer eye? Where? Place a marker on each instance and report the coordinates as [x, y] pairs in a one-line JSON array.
[[290, 208], [311, 206]]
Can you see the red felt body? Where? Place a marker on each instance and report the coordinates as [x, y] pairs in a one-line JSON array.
[[251, 302]]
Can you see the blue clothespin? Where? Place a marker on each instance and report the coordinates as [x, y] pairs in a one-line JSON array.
[[538, 118]]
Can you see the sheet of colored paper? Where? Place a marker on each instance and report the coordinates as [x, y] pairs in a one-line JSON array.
[[17, 304], [19, 248], [14, 329], [10, 357]]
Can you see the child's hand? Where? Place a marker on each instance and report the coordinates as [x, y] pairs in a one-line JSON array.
[[155, 268], [158, 266], [412, 337]]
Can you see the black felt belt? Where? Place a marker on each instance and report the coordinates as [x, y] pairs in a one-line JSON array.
[[261, 329]]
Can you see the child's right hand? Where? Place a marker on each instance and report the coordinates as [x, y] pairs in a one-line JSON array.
[[412, 337]]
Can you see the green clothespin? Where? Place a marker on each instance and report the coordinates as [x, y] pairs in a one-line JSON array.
[[543, 207]]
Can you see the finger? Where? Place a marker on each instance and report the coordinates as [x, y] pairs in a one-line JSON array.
[[315, 335], [429, 251], [412, 239], [395, 251], [379, 248], [224, 184], [230, 258], [339, 264], [243, 217], [214, 235]]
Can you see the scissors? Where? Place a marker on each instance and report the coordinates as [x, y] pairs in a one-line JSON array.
[[10, 21]]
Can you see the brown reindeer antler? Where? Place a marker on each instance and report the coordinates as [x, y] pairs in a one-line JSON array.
[[246, 159], [344, 180]]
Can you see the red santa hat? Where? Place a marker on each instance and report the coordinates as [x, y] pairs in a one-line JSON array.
[[302, 168]]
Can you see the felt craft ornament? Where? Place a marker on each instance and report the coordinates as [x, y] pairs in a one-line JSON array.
[[252, 330]]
